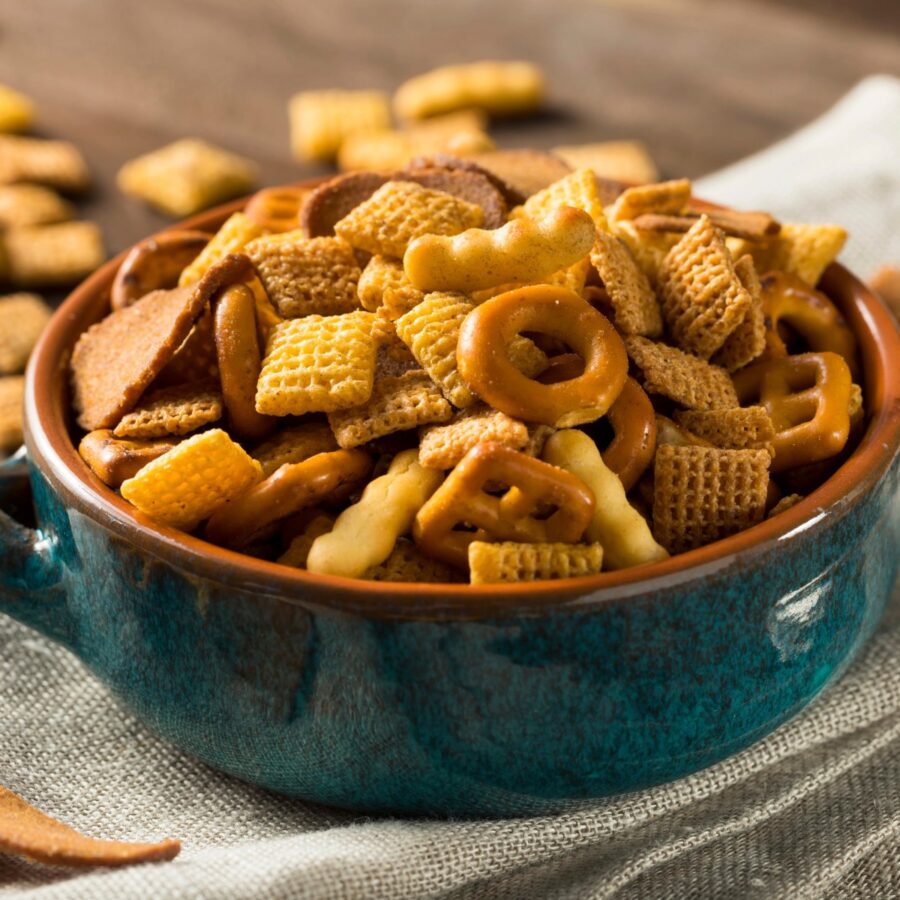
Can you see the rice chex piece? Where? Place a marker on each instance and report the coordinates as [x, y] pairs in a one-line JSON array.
[[740, 428], [443, 446], [384, 285], [306, 276], [317, 364], [57, 164], [803, 250], [508, 561], [22, 319], [298, 551], [703, 300], [407, 563], [52, 255], [681, 377], [398, 403], [293, 445], [702, 494], [665, 197], [578, 189], [784, 504], [748, 340], [31, 204], [399, 212], [12, 395], [175, 410], [235, 233]]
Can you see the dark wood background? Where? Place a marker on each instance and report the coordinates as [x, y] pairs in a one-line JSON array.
[[702, 83]]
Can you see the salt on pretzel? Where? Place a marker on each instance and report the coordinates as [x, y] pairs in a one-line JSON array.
[[522, 251], [623, 532], [485, 366], [365, 533]]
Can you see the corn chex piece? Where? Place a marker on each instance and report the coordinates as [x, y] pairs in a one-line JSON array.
[[235, 233], [22, 319], [398, 403], [16, 110], [407, 563], [679, 376], [627, 161], [649, 248], [383, 283], [664, 198], [578, 189], [293, 445], [306, 276], [748, 340], [186, 176], [12, 394], [803, 250], [298, 551], [31, 204], [57, 164], [784, 504], [703, 300], [636, 307], [52, 255], [443, 446], [317, 364], [740, 428], [174, 410], [322, 120], [190, 482], [702, 494], [511, 562], [399, 212]]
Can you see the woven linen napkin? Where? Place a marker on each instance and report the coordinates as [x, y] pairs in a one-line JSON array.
[[811, 811]]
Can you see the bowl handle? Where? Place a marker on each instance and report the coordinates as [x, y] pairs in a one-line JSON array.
[[31, 573]]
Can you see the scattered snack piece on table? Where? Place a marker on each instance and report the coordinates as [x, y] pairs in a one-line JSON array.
[[22, 319], [51, 255], [625, 161], [16, 110], [56, 164], [322, 120], [22, 205], [12, 395]]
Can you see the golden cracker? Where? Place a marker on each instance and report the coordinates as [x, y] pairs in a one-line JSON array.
[[512, 562]]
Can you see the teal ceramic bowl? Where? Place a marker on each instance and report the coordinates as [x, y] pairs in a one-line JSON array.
[[454, 700]]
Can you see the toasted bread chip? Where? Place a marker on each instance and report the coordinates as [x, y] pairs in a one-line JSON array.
[[298, 551], [665, 198], [625, 161], [400, 211], [802, 250], [443, 446], [747, 226], [114, 461], [473, 187], [318, 364], [409, 564], [235, 233], [702, 494], [51, 255], [322, 120], [306, 276], [12, 396], [174, 410], [681, 377], [741, 428], [195, 360], [398, 403], [22, 205], [186, 176], [578, 189], [510, 195], [57, 164], [784, 504], [325, 206], [511, 562], [748, 340], [22, 319], [293, 445], [16, 110], [522, 172]]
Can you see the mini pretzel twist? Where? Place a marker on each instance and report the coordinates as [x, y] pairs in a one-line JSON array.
[[277, 209]]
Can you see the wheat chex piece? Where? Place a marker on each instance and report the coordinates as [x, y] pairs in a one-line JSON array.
[[578, 189], [293, 445], [32, 204], [400, 211], [52, 255], [176, 410], [190, 482], [748, 340], [681, 377], [306, 276], [740, 428], [12, 394], [232, 237], [322, 120], [803, 250], [398, 403], [702, 494], [186, 176], [443, 446], [318, 364], [298, 551], [636, 307], [784, 504], [508, 561], [702, 298], [665, 198], [57, 164], [407, 563], [627, 161], [22, 319], [16, 110]]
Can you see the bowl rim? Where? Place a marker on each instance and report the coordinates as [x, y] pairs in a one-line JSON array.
[[49, 445]]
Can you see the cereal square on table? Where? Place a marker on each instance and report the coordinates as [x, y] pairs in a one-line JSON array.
[[12, 395], [57, 164], [22, 319], [322, 120], [16, 110], [32, 204], [52, 255]]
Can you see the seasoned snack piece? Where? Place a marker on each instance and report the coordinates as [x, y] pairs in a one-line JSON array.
[[802, 250], [383, 276], [679, 376], [317, 364], [298, 551], [57, 164], [741, 428], [293, 445], [499, 88], [784, 504], [633, 422], [702, 494], [186, 176], [322, 120], [474, 187], [666, 198], [327, 204], [30, 204], [578, 189], [22, 319], [624, 161], [408, 564], [186, 485], [32, 835], [748, 340], [289, 489], [521, 172], [524, 251], [172, 411], [195, 359], [462, 511], [748, 226], [448, 162], [703, 300], [306, 276], [630, 294], [49, 255], [667, 432], [400, 211], [648, 248], [365, 533], [398, 403], [12, 395], [16, 110], [443, 446], [618, 527], [808, 399], [484, 363], [115, 360], [232, 237], [277, 209], [156, 264], [113, 460], [511, 562]]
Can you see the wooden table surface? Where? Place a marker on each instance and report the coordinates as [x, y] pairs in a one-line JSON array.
[[702, 83]]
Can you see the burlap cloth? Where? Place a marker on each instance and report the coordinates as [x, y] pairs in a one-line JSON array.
[[811, 811]]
